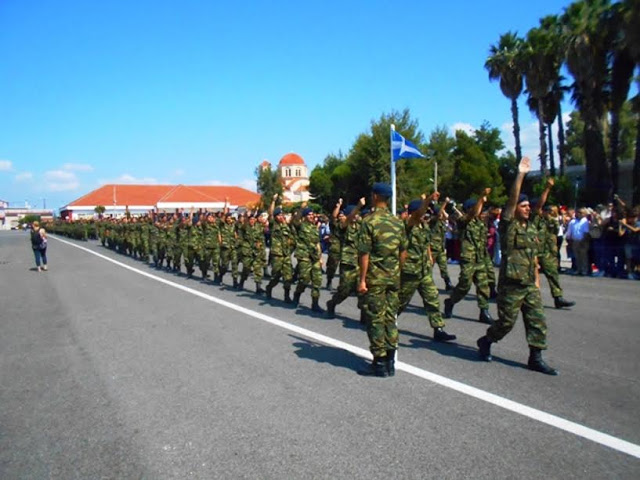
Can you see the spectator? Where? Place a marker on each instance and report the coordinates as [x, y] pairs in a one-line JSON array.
[[579, 232], [630, 229]]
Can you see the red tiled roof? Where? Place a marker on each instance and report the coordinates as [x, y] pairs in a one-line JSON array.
[[291, 159], [148, 195]]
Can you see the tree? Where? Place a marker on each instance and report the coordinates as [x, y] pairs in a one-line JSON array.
[[505, 64], [29, 219], [632, 34], [574, 147], [587, 40], [100, 209], [268, 184]]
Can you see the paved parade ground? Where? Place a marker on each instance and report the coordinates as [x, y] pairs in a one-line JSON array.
[[110, 368]]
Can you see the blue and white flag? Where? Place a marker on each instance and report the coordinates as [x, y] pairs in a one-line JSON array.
[[402, 148]]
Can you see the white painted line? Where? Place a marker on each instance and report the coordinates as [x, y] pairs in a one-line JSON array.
[[535, 414]]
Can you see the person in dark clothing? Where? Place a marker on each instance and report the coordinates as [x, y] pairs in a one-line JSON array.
[[39, 246]]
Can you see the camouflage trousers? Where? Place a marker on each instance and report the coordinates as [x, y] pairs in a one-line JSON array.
[[511, 300], [176, 257], [440, 258], [309, 274], [349, 278], [427, 290], [253, 262], [380, 305], [281, 268], [229, 255], [549, 266], [491, 271], [210, 258], [190, 254], [143, 248], [476, 273], [332, 265], [159, 254]]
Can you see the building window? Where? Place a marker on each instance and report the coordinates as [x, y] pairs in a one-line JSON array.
[[298, 172], [287, 172]]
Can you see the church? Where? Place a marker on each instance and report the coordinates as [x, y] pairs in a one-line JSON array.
[[294, 176]]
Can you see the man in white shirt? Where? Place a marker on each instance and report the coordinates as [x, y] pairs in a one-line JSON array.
[[578, 232]]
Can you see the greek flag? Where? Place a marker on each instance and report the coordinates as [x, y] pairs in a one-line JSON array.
[[402, 148]]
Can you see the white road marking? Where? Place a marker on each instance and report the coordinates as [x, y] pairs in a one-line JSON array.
[[535, 414]]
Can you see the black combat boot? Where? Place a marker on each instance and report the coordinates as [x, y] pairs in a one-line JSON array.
[[377, 368], [560, 302], [287, 296], [235, 283], [296, 298], [448, 286], [241, 284], [217, 280], [268, 291], [329, 280], [259, 289], [485, 316], [391, 362], [315, 305], [448, 308], [537, 364], [492, 291], [439, 335], [331, 309], [363, 317], [484, 348]]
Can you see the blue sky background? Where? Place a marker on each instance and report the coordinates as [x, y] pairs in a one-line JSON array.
[[200, 92]]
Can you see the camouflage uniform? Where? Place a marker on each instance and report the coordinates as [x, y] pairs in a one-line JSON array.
[[437, 243], [189, 243], [417, 273], [210, 256], [333, 257], [383, 238], [253, 252], [282, 244], [228, 251], [517, 289], [349, 269], [473, 267], [175, 251], [309, 260], [548, 253]]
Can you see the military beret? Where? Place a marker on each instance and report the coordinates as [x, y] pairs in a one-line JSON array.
[[469, 204], [277, 211], [306, 211], [365, 211], [522, 198], [435, 209], [382, 189], [414, 205], [533, 201], [349, 209]]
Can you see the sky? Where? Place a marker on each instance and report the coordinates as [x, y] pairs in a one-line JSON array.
[[201, 92]]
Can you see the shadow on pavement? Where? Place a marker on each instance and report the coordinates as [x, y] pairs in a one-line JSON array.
[[337, 357]]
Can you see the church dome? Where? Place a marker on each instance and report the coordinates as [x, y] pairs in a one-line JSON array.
[[291, 159]]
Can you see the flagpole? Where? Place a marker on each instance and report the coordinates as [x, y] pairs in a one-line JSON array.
[[393, 171]]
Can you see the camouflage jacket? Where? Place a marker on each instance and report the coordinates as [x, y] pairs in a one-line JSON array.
[[519, 245], [382, 236], [547, 231], [473, 248], [308, 242], [210, 233], [228, 234], [349, 239], [282, 239], [418, 261], [438, 231], [335, 240]]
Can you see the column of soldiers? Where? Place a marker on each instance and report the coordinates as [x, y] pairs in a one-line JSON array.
[[381, 258]]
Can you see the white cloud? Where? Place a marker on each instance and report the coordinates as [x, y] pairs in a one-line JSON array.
[[465, 127], [77, 167], [131, 180], [5, 165], [60, 181], [24, 177], [249, 184]]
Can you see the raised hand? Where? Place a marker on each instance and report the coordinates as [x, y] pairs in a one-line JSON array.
[[525, 165]]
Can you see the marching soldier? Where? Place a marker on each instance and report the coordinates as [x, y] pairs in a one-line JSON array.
[[282, 245], [519, 283], [309, 256], [438, 223]]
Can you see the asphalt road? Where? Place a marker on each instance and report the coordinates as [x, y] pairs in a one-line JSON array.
[[115, 372]]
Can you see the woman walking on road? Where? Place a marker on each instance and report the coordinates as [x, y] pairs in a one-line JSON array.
[[39, 245]]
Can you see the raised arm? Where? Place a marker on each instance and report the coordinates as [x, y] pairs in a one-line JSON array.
[[361, 203], [523, 168], [545, 194], [272, 207], [336, 209]]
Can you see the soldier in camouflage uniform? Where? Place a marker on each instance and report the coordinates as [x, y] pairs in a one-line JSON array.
[[438, 224], [282, 245], [347, 229], [228, 248], [335, 242], [417, 271], [473, 267], [548, 255], [175, 249], [308, 254], [382, 246], [519, 284], [488, 261], [253, 252], [210, 247], [188, 243]]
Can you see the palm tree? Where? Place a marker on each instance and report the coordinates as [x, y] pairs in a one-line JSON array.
[[587, 46], [621, 76], [504, 64]]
